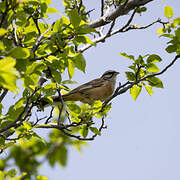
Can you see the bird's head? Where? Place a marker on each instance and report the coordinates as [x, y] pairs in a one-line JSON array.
[[110, 74]]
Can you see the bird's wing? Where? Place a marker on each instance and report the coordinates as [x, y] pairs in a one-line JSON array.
[[89, 85]]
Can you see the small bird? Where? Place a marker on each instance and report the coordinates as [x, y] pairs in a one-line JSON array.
[[97, 89]]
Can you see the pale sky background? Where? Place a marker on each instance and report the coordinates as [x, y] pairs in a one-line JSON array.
[[142, 141]]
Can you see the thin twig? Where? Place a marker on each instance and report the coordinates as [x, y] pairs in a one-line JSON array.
[[50, 116], [37, 43], [111, 27], [79, 7], [5, 91], [43, 57], [130, 20], [61, 108], [37, 26], [15, 33], [38, 119], [102, 7]]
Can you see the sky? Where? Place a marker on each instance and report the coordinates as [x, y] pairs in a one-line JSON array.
[[142, 138]]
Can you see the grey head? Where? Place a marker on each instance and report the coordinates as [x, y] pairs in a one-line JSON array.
[[109, 74]]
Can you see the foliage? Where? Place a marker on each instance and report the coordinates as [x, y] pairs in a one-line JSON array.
[[31, 49]]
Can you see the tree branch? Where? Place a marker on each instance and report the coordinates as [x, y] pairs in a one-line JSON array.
[[61, 108], [50, 116], [20, 118], [5, 91], [38, 41], [65, 130], [123, 29], [102, 8], [123, 88], [119, 11]]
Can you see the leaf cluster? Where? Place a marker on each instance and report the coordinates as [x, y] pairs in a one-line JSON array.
[[29, 49], [144, 67]]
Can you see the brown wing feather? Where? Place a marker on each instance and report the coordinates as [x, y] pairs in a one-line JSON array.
[[81, 92], [89, 85]]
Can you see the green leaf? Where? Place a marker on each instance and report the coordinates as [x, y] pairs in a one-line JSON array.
[[171, 48], [62, 155], [3, 6], [78, 144], [74, 108], [12, 172], [65, 20], [3, 31], [80, 62], [161, 30], [19, 104], [58, 154], [20, 53], [127, 56], [155, 82], [87, 30], [133, 67], [57, 75], [152, 67], [107, 109], [95, 130], [2, 48], [149, 90], [2, 165], [58, 25], [79, 40], [135, 91], [130, 76], [40, 177], [7, 145], [84, 131], [66, 3], [176, 21], [50, 89], [88, 40], [27, 125], [71, 68], [168, 11], [51, 10], [177, 33], [35, 67], [97, 106], [8, 74], [69, 82], [154, 58], [141, 9], [30, 80], [140, 60], [2, 141], [74, 17], [167, 35]]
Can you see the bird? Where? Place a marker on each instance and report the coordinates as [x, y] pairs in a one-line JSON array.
[[97, 89]]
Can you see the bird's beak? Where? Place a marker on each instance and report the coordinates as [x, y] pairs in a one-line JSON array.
[[117, 73]]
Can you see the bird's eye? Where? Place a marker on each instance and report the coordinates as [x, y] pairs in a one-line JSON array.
[[108, 75]]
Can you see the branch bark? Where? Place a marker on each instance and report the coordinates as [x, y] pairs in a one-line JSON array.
[[119, 11]]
